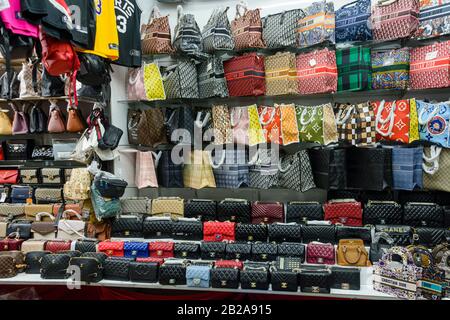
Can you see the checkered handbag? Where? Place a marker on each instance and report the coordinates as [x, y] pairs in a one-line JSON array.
[[188, 38], [317, 124], [317, 72], [434, 122], [281, 74], [198, 173], [354, 69], [216, 34], [318, 24], [279, 30], [247, 29], [434, 19], [356, 124], [180, 81], [395, 19], [270, 119], [430, 66], [211, 79], [156, 34], [154, 88], [390, 70], [231, 168], [392, 120], [407, 171], [223, 133], [289, 125], [295, 172], [263, 172], [352, 22], [240, 124], [436, 167]]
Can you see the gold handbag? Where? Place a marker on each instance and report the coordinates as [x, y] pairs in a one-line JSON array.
[[31, 211], [281, 74], [198, 172], [5, 123], [168, 206], [351, 252]]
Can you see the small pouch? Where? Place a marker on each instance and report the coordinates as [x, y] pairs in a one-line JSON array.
[[186, 250], [238, 250], [315, 281], [292, 249], [251, 232], [51, 176], [200, 209], [127, 226], [255, 276], [48, 195], [212, 250], [33, 261], [264, 251], [301, 212], [91, 269], [345, 278], [225, 278], [157, 227], [161, 249], [173, 273], [198, 276], [187, 229], [144, 271], [135, 250], [29, 176], [284, 232], [54, 266], [117, 269]]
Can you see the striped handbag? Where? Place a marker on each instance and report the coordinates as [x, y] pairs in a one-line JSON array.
[[318, 24], [245, 75], [281, 74]]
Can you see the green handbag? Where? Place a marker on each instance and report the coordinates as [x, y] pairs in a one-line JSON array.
[[317, 124], [354, 69]]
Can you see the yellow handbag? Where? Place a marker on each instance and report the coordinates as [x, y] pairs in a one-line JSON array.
[[173, 206], [413, 121], [31, 210], [351, 252], [154, 88], [198, 172], [255, 131], [289, 125], [5, 123]]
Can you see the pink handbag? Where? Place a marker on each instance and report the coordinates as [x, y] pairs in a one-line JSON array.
[[135, 86], [320, 253], [239, 125], [430, 66], [56, 123], [146, 169]]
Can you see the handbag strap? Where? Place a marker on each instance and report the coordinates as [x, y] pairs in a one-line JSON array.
[[239, 6], [40, 214], [201, 124], [264, 112], [430, 116], [304, 122], [13, 107], [221, 161], [64, 214], [382, 235], [283, 170], [341, 120], [360, 253], [390, 117], [180, 13], [435, 152], [68, 225], [382, 3], [155, 13]]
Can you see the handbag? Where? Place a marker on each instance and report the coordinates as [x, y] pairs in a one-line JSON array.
[[31, 245], [317, 72], [91, 269], [48, 195], [216, 231], [180, 125], [156, 38], [143, 271], [187, 229], [133, 117], [279, 29], [407, 171], [42, 153], [186, 250], [239, 120], [430, 237], [317, 25], [247, 28], [434, 176], [169, 173], [270, 120], [301, 212], [180, 81], [55, 120], [295, 172], [86, 246], [345, 278], [251, 232], [51, 86], [362, 233], [351, 252], [135, 205], [135, 250], [292, 249], [344, 211], [29, 176], [418, 214], [395, 19], [5, 123], [354, 69], [202, 209], [78, 187], [38, 120], [289, 125], [71, 229], [317, 124], [245, 75], [104, 207], [136, 86], [329, 167], [356, 124], [225, 278], [153, 83], [20, 121], [9, 176], [127, 226], [212, 250], [352, 22], [198, 276], [173, 273], [109, 185], [32, 210], [377, 249], [211, 79], [267, 212], [320, 253], [117, 269], [54, 266], [238, 251], [28, 80], [390, 70], [198, 173], [235, 210], [168, 206], [284, 280], [255, 276], [216, 33], [145, 170], [382, 212], [111, 248], [264, 251], [284, 232], [188, 38], [315, 280], [433, 19], [157, 227], [161, 249], [150, 130], [75, 120], [262, 174], [20, 194], [21, 227], [222, 125], [18, 149], [429, 66], [11, 243], [232, 169], [55, 246], [33, 261], [434, 119], [401, 234], [51, 176], [281, 74]]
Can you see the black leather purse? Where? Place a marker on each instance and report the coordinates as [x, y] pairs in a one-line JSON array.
[[285, 232], [430, 237], [38, 120], [251, 232], [22, 227], [301, 212], [283, 280], [423, 215], [263, 251], [18, 149], [255, 276], [225, 278], [157, 227], [401, 234], [238, 250], [117, 269], [144, 271], [236, 210], [186, 250], [187, 229], [173, 273], [33, 261], [71, 253], [169, 174], [84, 246], [291, 249], [405, 197], [127, 226], [100, 256], [111, 138], [346, 232], [212, 250], [320, 233], [91, 269], [345, 278], [54, 266], [315, 281], [382, 212], [381, 242], [202, 209]]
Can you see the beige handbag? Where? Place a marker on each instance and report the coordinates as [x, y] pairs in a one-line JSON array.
[[32, 245], [79, 185], [71, 229], [5, 123], [43, 230], [48, 195], [198, 173], [436, 167], [29, 176], [51, 176], [32, 210], [3, 227], [168, 206], [9, 212], [281, 74]]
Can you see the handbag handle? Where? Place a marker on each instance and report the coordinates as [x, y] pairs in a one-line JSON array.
[[283, 170], [382, 3], [390, 117], [155, 13], [434, 158], [443, 265], [232, 116], [341, 120], [157, 157], [201, 124], [221, 161], [349, 4], [303, 122], [64, 216], [254, 159], [15, 235], [239, 6], [344, 250], [40, 214], [382, 235], [272, 115], [180, 13], [430, 116]]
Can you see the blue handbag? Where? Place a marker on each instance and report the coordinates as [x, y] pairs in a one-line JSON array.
[[407, 173], [198, 276], [135, 249], [352, 22], [20, 194], [434, 121]]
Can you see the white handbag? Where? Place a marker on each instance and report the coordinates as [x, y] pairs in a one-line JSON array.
[[71, 229], [32, 245], [43, 230]]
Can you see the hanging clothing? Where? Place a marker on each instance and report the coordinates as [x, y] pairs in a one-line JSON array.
[[13, 20], [83, 20]]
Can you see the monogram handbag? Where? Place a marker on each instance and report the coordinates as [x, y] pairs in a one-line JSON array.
[[111, 248], [33, 261], [251, 232], [264, 251], [356, 124], [225, 278], [390, 70], [202, 209], [395, 19], [135, 205], [157, 227], [127, 226], [8, 266], [292, 249], [247, 28], [429, 66], [186, 250], [198, 276], [270, 119], [267, 212], [32, 211], [20, 194], [54, 266], [344, 211], [188, 38], [153, 82], [78, 186], [329, 167], [255, 276], [239, 119], [263, 176], [48, 195], [407, 172], [211, 79], [238, 251], [42, 153], [29, 176], [320, 253], [317, 25], [237, 210], [169, 173], [173, 273], [91, 269], [255, 131], [212, 250], [168, 206], [198, 173], [401, 234], [187, 229], [51, 176], [279, 29], [315, 280], [284, 232], [289, 125], [430, 237], [134, 117], [283, 280], [180, 81], [436, 164], [301, 212], [216, 231], [156, 37], [434, 119], [222, 124], [352, 22], [381, 242], [345, 278], [382, 212], [56, 246], [216, 33], [38, 120], [135, 250], [135, 85], [143, 271], [362, 233], [351, 252], [18, 149], [281, 74], [433, 19], [245, 75], [418, 214], [117, 269], [296, 173], [232, 169], [317, 72], [354, 69], [317, 124]]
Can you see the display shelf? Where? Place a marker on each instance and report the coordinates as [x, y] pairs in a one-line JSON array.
[[37, 135], [61, 98], [41, 163]]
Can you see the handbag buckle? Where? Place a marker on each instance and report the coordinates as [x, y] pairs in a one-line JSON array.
[[250, 238], [172, 281], [238, 255], [253, 284], [345, 286], [284, 285], [184, 254], [196, 281], [319, 260], [223, 283], [159, 252], [315, 289], [212, 254], [265, 219], [233, 218], [264, 256], [127, 233]]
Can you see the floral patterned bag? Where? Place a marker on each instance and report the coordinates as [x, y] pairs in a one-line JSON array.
[[434, 18]]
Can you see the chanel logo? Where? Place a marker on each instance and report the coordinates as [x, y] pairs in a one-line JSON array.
[[250, 238], [345, 286], [212, 254], [238, 255], [223, 283], [172, 281], [233, 218], [158, 233], [134, 252], [315, 289], [127, 233], [264, 256], [266, 219], [159, 252], [196, 281], [184, 254], [253, 284], [320, 260], [312, 62], [284, 285]]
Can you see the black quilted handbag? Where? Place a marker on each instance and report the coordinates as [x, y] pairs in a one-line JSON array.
[[263, 251], [238, 210], [84, 246], [423, 215], [431, 237], [251, 232], [416, 196], [186, 250], [291, 249], [301, 212], [283, 280], [315, 281], [173, 273], [169, 174], [285, 232], [91, 269], [345, 278], [117, 269], [382, 212], [381, 242], [127, 226], [255, 276], [54, 266], [212, 250], [238, 250], [346, 232], [187, 229], [71, 253], [320, 233], [144, 271], [401, 234], [157, 227], [33, 261], [100, 256], [200, 209], [225, 278]]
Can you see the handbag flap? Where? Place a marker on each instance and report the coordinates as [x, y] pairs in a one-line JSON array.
[[33, 209], [43, 228], [110, 245], [135, 246], [211, 228], [198, 272], [51, 174], [161, 246], [71, 226], [316, 250]]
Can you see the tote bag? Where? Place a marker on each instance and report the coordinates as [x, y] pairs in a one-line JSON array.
[[434, 121], [281, 74], [223, 133], [318, 24], [211, 79], [240, 124], [169, 173], [289, 124], [356, 124], [217, 32], [352, 22], [407, 168], [436, 166], [156, 37], [270, 120], [145, 169], [390, 70], [317, 124], [329, 167], [255, 131], [295, 172], [153, 83], [135, 85], [198, 173], [230, 169]]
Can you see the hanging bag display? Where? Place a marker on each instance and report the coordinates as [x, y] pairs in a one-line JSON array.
[[245, 75], [352, 22], [156, 37], [20, 120], [240, 124], [135, 85], [169, 173], [230, 168], [289, 124], [390, 69], [295, 172], [318, 24], [433, 19], [263, 173], [153, 82], [270, 120], [38, 120], [211, 79], [356, 124], [317, 124], [75, 120], [354, 69], [279, 29], [51, 86], [255, 131], [407, 168], [180, 124], [216, 33], [5, 123], [145, 169], [435, 166], [150, 129], [247, 28], [223, 133], [56, 123], [198, 173], [434, 121], [180, 81], [28, 78], [281, 74], [188, 38]]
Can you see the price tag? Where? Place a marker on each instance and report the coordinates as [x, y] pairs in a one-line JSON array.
[[312, 62], [388, 62], [431, 55], [29, 200]]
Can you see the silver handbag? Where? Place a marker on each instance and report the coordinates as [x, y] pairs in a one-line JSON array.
[[217, 32]]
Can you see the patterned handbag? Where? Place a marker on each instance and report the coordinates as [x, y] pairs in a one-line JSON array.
[[245, 75], [390, 69], [429, 66], [111, 248], [222, 125], [279, 29], [302, 212], [317, 72], [187, 229], [156, 37], [188, 38], [135, 85], [179, 125], [216, 33], [434, 121], [150, 129], [270, 120], [289, 124], [395, 19], [433, 19], [263, 173], [352, 22], [180, 81], [231, 171], [51, 176], [320, 253], [436, 165], [354, 69], [247, 28], [153, 82], [211, 79], [284, 232], [344, 211], [407, 168], [255, 131], [169, 173], [215, 231], [295, 172], [198, 173], [281, 74], [238, 250], [318, 24], [240, 124], [317, 124], [356, 124]]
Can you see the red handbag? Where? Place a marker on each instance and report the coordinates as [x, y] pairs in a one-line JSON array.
[[2, 153], [111, 248], [320, 253], [392, 120], [56, 246], [11, 243], [347, 212], [159, 261], [215, 231], [245, 75], [270, 119], [233, 264], [9, 176], [267, 212], [161, 249]]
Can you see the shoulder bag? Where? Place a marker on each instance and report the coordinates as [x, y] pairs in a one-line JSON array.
[[156, 37]]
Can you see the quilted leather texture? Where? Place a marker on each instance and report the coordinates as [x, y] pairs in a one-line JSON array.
[[135, 249], [382, 213], [91, 268], [172, 274], [203, 209], [229, 264], [282, 232], [181, 82], [212, 250], [401, 234], [135, 205], [233, 210], [240, 251], [320, 233], [254, 279], [143, 271], [100, 256], [345, 278], [186, 250], [315, 281], [363, 233], [251, 232], [127, 226], [56, 246], [267, 212], [32, 260], [430, 237], [171, 205], [116, 269], [157, 228], [301, 212], [111, 248], [346, 213], [218, 231], [264, 251], [420, 215], [198, 276], [10, 244], [284, 280], [187, 230], [291, 249], [161, 249], [225, 278], [320, 253], [86, 246], [54, 266]]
